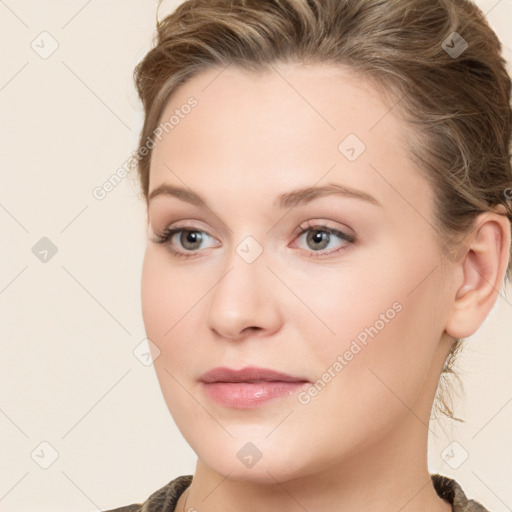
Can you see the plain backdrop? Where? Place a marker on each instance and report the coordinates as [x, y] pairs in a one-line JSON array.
[[83, 423]]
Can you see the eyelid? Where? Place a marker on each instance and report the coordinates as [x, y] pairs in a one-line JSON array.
[[172, 229], [165, 237], [322, 224], [191, 225]]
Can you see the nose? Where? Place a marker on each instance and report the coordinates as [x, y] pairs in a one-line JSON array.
[[244, 301]]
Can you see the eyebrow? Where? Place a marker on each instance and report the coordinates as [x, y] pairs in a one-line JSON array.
[[284, 201]]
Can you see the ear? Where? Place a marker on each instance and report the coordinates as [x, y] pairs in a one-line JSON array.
[[480, 273]]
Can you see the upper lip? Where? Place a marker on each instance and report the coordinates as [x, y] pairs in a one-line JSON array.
[[248, 374]]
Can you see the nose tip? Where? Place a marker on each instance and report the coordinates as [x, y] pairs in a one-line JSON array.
[[238, 334], [243, 303], [236, 324]]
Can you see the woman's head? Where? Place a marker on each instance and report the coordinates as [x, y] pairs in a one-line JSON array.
[[378, 99], [439, 59]]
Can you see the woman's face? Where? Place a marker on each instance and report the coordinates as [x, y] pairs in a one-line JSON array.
[[342, 287]]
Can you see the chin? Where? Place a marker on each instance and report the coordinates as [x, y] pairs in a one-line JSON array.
[[269, 472], [263, 462]]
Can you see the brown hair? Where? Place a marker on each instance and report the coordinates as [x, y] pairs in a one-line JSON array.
[[453, 88]]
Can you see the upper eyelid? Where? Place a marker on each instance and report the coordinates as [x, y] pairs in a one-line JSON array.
[[318, 226]]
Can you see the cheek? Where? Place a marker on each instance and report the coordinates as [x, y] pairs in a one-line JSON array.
[[344, 304], [376, 362], [173, 311], [374, 320], [155, 302], [165, 301], [164, 310]]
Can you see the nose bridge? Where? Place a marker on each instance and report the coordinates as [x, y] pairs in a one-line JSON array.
[[246, 267], [243, 296]]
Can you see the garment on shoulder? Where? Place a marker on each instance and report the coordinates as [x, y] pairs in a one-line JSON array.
[[165, 499]]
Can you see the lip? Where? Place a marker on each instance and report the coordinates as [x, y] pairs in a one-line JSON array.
[[248, 374], [249, 387]]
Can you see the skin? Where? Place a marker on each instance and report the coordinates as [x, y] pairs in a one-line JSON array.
[[361, 443]]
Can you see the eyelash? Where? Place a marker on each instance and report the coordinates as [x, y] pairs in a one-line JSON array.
[[164, 237]]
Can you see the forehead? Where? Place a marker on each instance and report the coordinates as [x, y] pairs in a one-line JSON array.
[[291, 122], [284, 102]]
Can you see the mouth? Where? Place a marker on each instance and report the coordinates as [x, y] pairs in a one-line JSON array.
[[249, 387]]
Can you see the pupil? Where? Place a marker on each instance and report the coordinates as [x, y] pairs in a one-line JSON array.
[[318, 237], [191, 238]]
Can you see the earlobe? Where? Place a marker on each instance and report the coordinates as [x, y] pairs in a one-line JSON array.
[[482, 268]]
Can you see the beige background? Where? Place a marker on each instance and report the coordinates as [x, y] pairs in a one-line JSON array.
[[69, 377]]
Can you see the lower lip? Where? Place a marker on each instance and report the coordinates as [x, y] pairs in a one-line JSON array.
[[248, 395]]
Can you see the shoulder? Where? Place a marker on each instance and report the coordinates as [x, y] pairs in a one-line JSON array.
[[452, 492], [163, 500]]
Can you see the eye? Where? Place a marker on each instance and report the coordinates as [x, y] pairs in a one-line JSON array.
[[320, 236], [188, 242], [191, 240]]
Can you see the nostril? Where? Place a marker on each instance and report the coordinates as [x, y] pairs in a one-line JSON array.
[[252, 328]]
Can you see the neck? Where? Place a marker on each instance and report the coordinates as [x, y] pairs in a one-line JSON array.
[[387, 476]]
